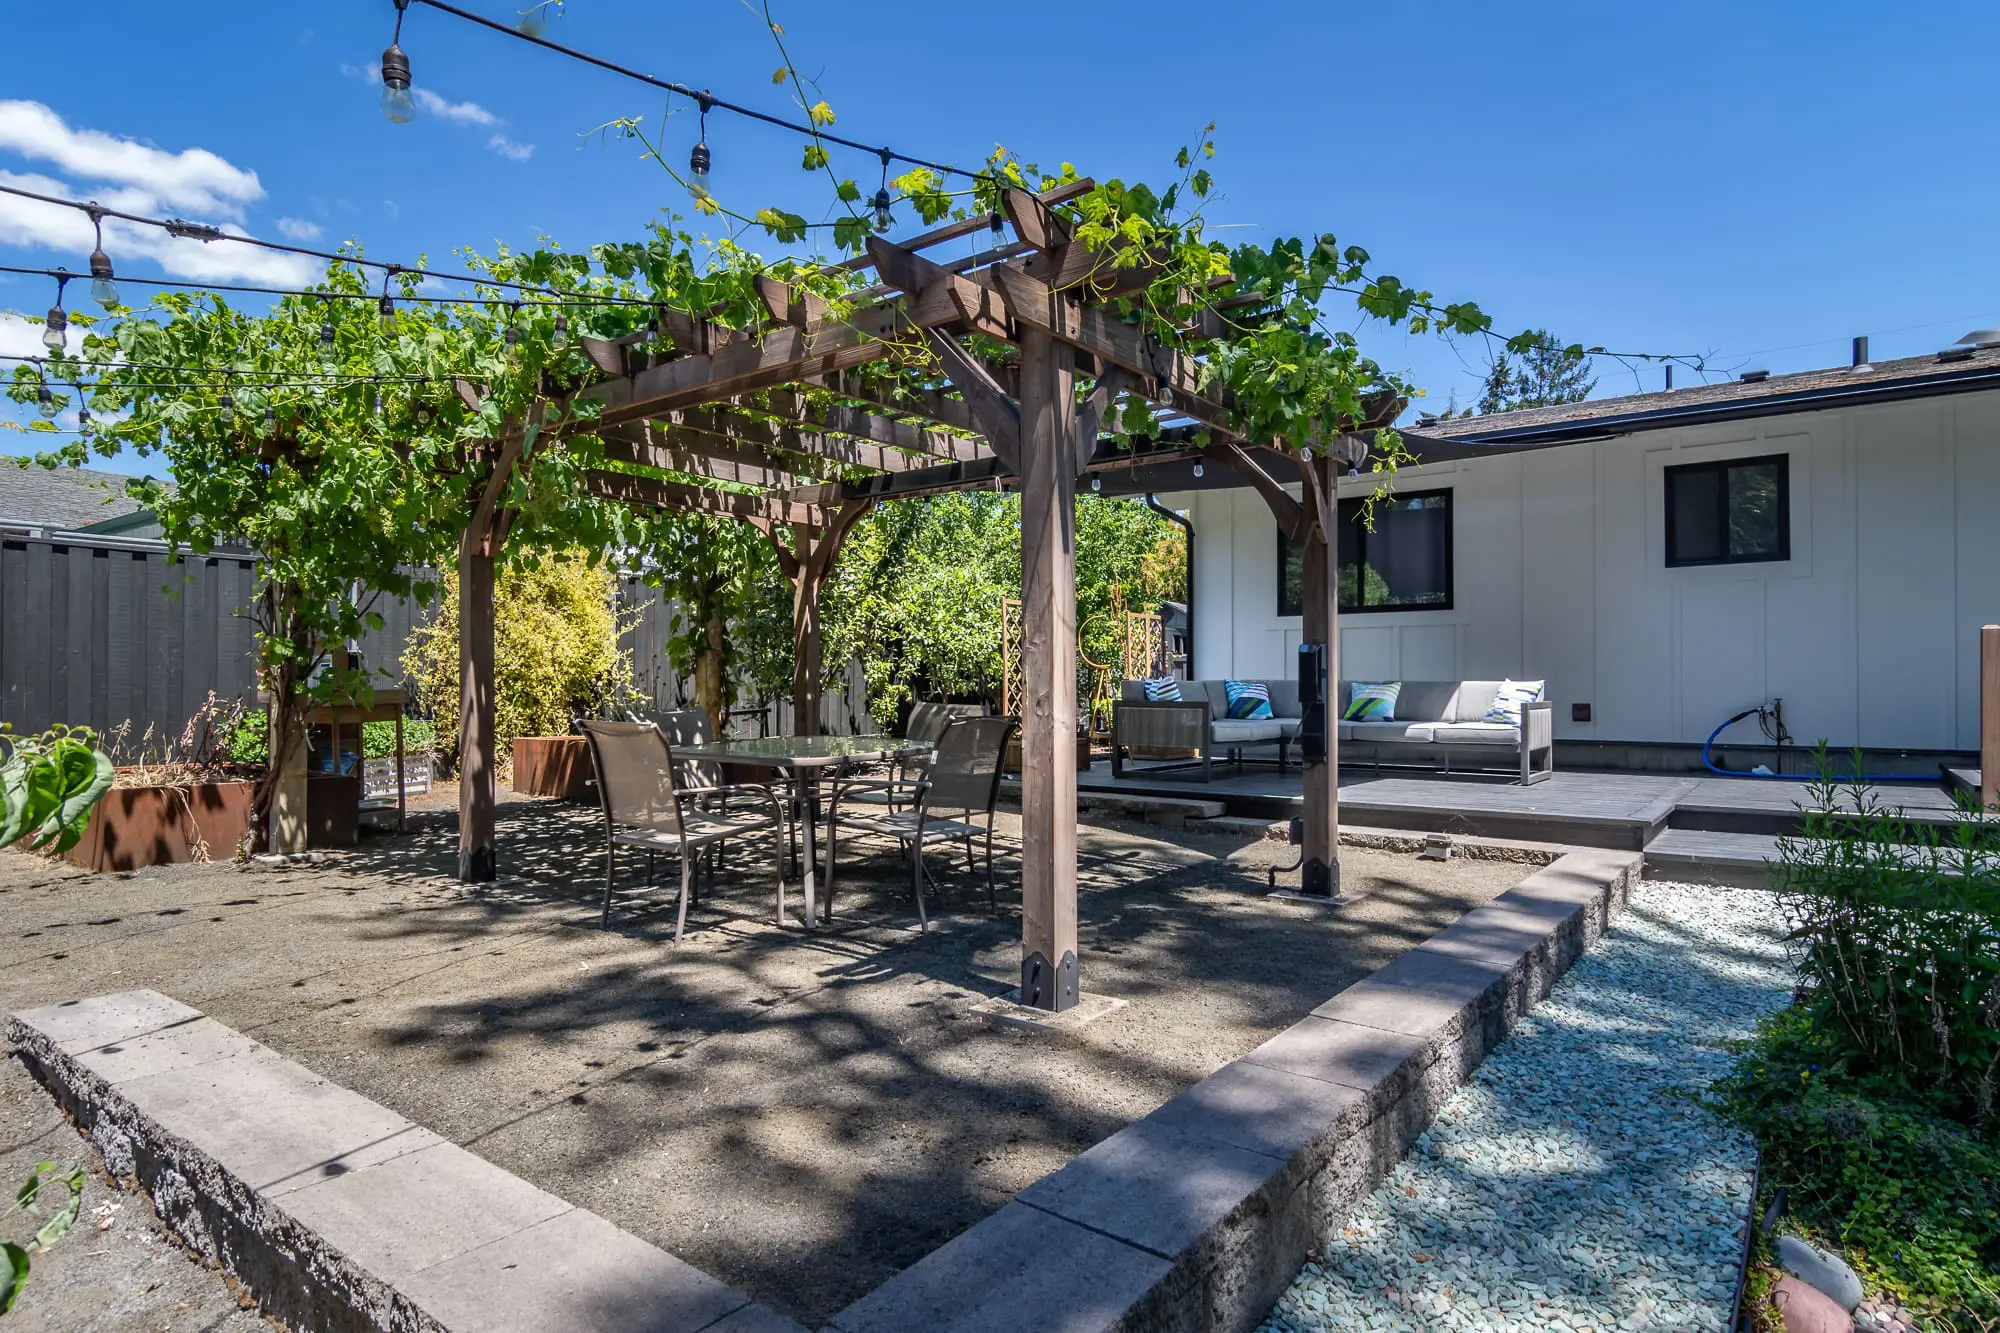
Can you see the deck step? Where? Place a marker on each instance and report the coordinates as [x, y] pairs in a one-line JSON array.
[[1703, 857]]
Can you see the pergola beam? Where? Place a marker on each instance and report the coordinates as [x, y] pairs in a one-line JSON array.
[[654, 493]]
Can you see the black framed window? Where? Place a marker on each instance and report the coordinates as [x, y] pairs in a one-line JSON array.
[[1734, 512], [1404, 564]]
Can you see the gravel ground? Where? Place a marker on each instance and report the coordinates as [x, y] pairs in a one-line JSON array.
[[1572, 1184]]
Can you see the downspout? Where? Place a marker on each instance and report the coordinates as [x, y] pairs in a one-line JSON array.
[[1187, 526]]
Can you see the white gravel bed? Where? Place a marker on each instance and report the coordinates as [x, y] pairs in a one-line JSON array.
[[1573, 1184]]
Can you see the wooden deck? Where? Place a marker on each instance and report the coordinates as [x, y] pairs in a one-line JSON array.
[[1626, 811]]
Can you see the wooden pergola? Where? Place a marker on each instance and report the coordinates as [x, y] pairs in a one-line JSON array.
[[766, 426]]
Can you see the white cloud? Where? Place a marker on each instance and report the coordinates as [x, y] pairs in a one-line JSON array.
[[193, 179], [298, 229], [460, 113], [507, 148], [33, 225]]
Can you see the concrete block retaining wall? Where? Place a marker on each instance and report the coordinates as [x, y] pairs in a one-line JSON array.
[[340, 1215], [1195, 1218]]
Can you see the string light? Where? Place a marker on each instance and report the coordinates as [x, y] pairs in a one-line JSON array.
[[228, 413], [45, 402], [397, 104], [512, 336], [375, 402], [1305, 453], [699, 160], [103, 290], [329, 352], [884, 219], [559, 340], [56, 336], [1096, 482], [270, 420], [385, 307], [82, 419], [1198, 469]]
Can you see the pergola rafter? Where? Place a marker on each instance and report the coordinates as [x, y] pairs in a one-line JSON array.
[[771, 425]]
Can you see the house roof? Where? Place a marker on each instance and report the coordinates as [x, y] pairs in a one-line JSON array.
[[1806, 391], [64, 498]]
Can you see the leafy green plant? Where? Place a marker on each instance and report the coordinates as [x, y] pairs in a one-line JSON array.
[[1896, 933], [48, 786], [14, 1259], [556, 650], [1878, 1168]]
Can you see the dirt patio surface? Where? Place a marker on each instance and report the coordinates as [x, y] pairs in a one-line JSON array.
[[801, 1115]]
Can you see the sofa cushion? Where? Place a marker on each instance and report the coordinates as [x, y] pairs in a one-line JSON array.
[[1284, 698], [1212, 691], [1231, 731], [1372, 701], [1474, 697], [1476, 733], [1425, 701], [1414, 732], [1248, 699], [1510, 699], [1289, 726], [1132, 691]]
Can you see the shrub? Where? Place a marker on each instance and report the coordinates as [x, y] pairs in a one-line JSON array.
[[1896, 933], [1910, 1193], [250, 741], [556, 652]]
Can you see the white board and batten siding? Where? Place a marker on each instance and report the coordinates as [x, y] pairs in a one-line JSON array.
[[1869, 632]]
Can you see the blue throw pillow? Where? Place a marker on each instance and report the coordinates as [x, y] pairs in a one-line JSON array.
[[1372, 703], [1508, 701], [1163, 690], [1247, 699]]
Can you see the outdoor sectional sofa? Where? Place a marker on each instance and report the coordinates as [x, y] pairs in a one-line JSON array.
[[1439, 723]]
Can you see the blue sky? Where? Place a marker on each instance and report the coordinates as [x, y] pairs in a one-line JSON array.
[[1756, 182]]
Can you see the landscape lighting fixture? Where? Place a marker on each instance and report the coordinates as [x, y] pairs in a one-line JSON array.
[[55, 336], [102, 289], [397, 104]]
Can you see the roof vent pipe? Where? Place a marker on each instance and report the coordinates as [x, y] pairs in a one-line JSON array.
[[1670, 377], [1861, 350], [1754, 376]]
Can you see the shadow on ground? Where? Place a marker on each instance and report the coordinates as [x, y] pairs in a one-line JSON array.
[[800, 1114]]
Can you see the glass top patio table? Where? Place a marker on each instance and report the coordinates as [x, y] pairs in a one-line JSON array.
[[805, 752]]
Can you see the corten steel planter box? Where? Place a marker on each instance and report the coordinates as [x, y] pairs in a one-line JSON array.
[[558, 766], [131, 827]]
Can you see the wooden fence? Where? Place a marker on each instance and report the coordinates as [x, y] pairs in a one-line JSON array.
[[102, 630]]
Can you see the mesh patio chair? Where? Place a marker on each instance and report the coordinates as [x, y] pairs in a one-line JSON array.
[[896, 783], [961, 783], [650, 803]]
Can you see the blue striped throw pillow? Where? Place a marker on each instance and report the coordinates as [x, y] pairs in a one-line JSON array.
[[1163, 690], [1247, 699], [1507, 703], [1372, 702]]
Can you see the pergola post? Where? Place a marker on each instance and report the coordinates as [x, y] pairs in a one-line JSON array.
[[478, 860], [1320, 623], [1989, 718], [1048, 714], [808, 563], [478, 773]]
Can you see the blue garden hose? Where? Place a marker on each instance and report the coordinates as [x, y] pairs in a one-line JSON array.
[[1762, 710]]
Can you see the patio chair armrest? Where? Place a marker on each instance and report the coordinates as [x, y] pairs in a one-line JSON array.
[[1181, 725], [1538, 730]]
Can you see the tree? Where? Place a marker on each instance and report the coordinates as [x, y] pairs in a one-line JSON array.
[[556, 653], [1547, 374]]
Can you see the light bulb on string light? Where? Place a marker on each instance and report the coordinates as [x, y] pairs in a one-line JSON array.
[[385, 305], [329, 351], [103, 289], [512, 334], [397, 104], [270, 420], [1198, 469], [227, 416], [375, 403], [55, 334], [884, 219], [699, 160], [45, 402], [1096, 482], [83, 419], [1306, 453], [559, 340]]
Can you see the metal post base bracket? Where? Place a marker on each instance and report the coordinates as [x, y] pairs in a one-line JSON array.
[[483, 867], [1319, 884], [1050, 988]]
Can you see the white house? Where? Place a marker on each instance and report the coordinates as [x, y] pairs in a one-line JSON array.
[[1667, 560]]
